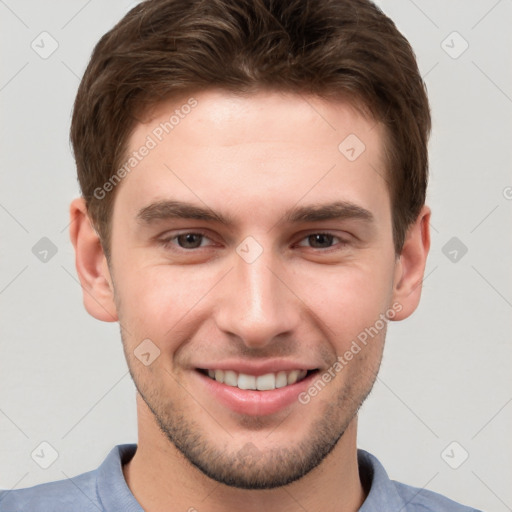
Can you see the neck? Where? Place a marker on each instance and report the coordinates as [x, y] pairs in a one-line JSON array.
[[161, 478]]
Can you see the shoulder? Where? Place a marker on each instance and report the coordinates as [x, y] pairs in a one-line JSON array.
[[423, 500], [97, 490], [77, 493], [388, 495]]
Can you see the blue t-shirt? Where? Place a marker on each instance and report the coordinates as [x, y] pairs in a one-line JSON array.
[[105, 490]]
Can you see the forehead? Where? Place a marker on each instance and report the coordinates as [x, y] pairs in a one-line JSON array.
[[220, 117], [263, 149]]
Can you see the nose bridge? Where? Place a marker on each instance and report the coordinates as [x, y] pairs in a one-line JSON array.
[[259, 288], [256, 306]]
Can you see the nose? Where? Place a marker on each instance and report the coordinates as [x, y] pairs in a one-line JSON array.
[[256, 303]]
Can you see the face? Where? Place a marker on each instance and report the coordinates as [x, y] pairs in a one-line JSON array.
[[247, 242]]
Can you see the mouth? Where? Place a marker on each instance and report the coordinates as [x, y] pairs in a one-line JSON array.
[[255, 395], [266, 382]]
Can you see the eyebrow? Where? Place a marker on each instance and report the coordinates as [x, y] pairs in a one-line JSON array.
[[338, 210]]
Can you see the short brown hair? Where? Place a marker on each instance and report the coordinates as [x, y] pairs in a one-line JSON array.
[[331, 48]]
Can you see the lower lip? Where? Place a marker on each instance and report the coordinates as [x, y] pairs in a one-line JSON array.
[[255, 403]]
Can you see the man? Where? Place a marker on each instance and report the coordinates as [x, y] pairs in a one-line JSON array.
[[253, 214]]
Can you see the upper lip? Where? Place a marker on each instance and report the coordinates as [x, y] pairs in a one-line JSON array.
[[257, 369]]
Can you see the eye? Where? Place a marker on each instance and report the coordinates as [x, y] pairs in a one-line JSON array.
[[195, 240], [188, 240], [322, 240]]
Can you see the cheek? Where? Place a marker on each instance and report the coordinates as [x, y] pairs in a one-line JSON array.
[[156, 298], [349, 300]]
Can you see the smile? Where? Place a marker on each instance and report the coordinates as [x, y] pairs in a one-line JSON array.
[[266, 382]]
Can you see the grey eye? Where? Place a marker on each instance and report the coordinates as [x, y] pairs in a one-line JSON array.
[[319, 240], [190, 240]]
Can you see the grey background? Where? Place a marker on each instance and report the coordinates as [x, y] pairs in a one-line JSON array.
[[446, 371]]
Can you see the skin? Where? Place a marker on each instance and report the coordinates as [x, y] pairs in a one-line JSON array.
[[303, 299]]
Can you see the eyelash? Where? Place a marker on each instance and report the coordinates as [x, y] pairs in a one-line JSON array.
[[167, 242]]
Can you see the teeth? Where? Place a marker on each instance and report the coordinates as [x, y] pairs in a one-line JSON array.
[[246, 381], [230, 378], [281, 379], [265, 382], [293, 376]]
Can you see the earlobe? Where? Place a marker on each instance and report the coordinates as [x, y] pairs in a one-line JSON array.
[[410, 267], [91, 264]]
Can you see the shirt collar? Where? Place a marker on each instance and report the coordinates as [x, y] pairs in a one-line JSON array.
[[113, 491], [383, 495]]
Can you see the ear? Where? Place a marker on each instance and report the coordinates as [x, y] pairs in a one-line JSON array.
[[91, 264], [410, 267]]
